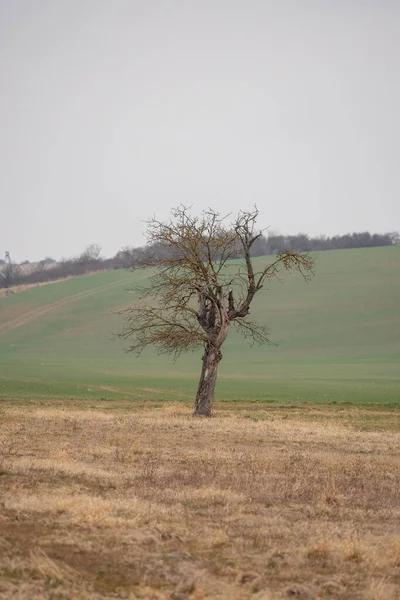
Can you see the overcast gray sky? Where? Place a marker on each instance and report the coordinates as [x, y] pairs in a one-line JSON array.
[[112, 110]]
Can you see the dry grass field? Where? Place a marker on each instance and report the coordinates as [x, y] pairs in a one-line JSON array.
[[257, 502]]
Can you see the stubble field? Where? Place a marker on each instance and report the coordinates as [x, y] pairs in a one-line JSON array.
[[116, 500]]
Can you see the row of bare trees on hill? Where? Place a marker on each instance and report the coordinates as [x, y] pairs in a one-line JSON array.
[[90, 259], [46, 270]]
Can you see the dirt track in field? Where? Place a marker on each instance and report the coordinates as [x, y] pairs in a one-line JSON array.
[[39, 311]]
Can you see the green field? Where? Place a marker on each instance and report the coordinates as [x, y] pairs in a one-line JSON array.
[[338, 340]]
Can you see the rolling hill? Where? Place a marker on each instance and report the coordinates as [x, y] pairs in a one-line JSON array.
[[338, 339]]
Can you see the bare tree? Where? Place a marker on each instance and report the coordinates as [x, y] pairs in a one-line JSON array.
[[197, 292], [90, 254], [9, 272]]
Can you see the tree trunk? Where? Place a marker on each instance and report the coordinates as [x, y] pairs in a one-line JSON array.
[[208, 378]]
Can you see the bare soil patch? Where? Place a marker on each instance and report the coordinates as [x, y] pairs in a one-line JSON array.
[[253, 503]]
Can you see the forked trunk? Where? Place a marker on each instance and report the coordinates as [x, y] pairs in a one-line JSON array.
[[208, 378]]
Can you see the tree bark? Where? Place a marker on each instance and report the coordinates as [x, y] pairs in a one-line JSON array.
[[208, 378]]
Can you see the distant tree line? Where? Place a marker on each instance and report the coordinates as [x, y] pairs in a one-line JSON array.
[[274, 244], [90, 260], [50, 270]]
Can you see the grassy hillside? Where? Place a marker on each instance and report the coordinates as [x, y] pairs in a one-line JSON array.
[[339, 339]]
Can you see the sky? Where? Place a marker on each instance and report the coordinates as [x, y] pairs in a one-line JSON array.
[[112, 111]]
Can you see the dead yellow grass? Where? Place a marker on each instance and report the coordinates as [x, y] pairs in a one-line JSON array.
[[156, 504]]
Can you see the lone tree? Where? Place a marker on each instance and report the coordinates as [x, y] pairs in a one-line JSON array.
[[197, 291]]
